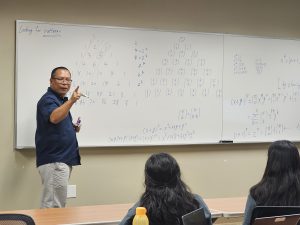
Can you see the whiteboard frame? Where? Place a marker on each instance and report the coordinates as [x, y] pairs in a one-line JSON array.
[[141, 29]]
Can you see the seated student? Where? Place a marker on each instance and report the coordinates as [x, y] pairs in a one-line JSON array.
[[166, 197], [280, 184]]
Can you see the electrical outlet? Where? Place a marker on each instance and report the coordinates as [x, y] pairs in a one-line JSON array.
[[71, 191]]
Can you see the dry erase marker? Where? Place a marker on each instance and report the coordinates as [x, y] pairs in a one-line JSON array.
[[226, 141], [84, 95], [78, 122]]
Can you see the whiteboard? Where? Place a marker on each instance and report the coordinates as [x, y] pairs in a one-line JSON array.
[[145, 87], [261, 88], [151, 87]]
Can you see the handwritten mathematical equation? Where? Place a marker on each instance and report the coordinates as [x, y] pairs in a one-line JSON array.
[[181, 72]]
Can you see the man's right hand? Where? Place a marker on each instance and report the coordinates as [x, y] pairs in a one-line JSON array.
[[75, 95]]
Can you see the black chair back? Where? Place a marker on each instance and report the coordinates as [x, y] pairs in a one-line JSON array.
[[15, 219]]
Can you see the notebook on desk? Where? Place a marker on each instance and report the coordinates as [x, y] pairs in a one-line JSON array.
[[196, 217], [278, 220]]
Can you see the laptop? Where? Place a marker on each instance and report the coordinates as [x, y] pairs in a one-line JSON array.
[[269, 211], [278, 220], [196, 217]]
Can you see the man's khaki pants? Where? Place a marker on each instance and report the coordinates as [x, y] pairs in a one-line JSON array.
[[55, 178]]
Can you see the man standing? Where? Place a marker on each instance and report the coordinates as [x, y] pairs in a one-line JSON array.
[[55, 138]]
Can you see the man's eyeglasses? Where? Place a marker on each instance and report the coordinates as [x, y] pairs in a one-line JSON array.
[[62, 80]]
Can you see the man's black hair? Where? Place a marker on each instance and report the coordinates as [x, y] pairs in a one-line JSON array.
[[58, 68]]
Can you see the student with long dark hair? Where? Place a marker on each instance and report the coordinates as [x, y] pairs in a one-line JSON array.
[[166, 196], [280, 184]]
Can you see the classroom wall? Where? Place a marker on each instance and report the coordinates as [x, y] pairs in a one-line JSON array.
[[115, 175]]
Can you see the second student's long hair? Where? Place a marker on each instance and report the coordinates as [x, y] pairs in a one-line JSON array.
[[280, 184], [166, 196]]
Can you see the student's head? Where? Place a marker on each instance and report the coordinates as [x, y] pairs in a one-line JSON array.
[[283, 158], [280, 184], [161, 170], [166, 196], [60, 80]]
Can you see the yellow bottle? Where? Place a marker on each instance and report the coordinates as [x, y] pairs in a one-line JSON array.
[[140, 217]]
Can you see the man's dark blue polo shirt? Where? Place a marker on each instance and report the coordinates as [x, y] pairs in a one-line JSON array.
[[54, 142]]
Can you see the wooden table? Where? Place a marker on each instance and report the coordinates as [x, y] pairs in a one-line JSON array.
[[80, 214], [227, 207], [230, 207]]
